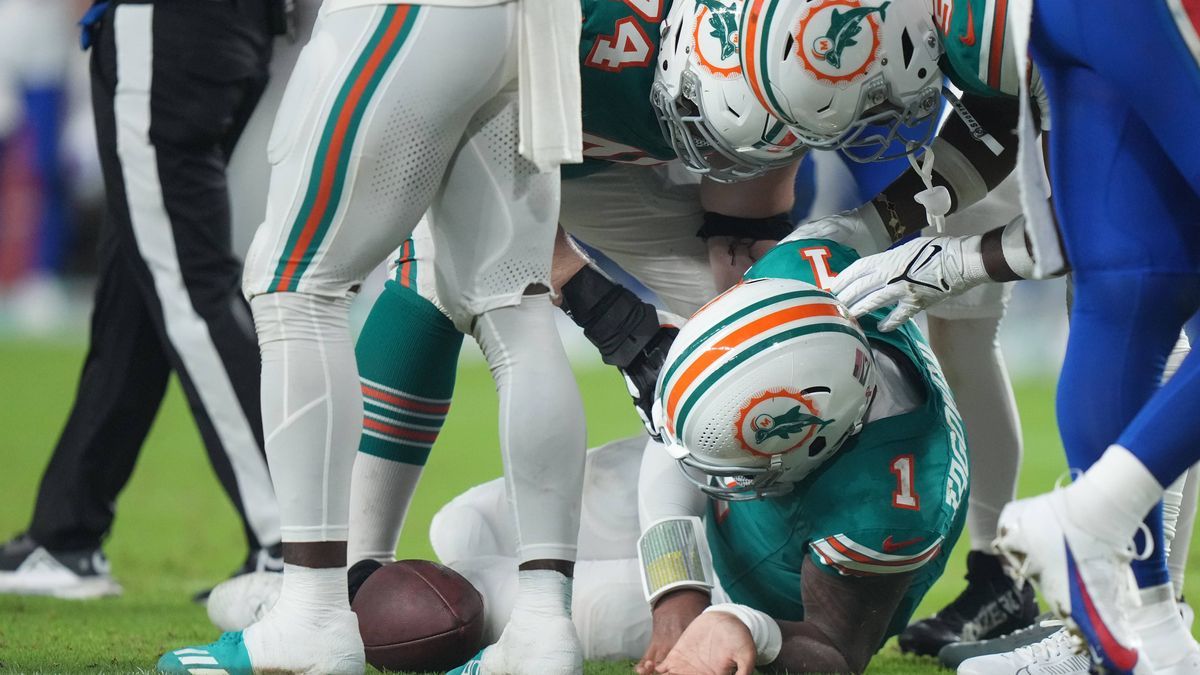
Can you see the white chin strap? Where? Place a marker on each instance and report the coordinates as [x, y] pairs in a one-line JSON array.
[[935, 198]]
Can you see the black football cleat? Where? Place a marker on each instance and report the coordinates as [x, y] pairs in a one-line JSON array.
[[990, 606], [357, 575]]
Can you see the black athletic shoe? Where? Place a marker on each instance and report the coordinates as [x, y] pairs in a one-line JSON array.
[[357, 575], [990, 606], [268, 559], [27, 568]]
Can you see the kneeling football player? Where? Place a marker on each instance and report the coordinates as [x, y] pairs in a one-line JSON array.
[[835, 466]]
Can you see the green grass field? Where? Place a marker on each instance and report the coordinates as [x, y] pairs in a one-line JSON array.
[[176, 534]]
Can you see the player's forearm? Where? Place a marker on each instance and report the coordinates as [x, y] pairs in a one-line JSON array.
[[806, 649], [966, 167]]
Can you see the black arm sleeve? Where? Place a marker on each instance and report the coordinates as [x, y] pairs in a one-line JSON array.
[[998, 116]]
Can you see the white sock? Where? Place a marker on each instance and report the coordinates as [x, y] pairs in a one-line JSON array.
[[1165, 640], [1181, 544], [544, 592], [311, 593], [380, 493], [1112, 497]]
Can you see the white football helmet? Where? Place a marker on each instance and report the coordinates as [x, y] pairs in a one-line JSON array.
[[850, 74], [704, 106], [762, 386]]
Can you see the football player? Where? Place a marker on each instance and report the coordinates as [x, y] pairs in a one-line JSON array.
[[387, 115], [1097, 99], [838, 467], [862, 77]]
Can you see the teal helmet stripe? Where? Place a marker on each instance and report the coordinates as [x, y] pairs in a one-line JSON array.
[[733, 318], [691, 399]]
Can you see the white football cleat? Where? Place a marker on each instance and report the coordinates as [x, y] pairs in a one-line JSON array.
[[281, 643], [535, 644], [236, 603], [1083, 578], [1061, 653]]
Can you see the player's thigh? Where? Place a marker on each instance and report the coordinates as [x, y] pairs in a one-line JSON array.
[[1121, 204], [375, 109], [1142, 50], [494, 221], [645, 219]]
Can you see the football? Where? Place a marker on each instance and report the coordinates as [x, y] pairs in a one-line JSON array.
[[417, 615]]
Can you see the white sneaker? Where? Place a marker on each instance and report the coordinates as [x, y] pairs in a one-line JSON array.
[[26, 568], [236, 603], [1083, 578], [1061, 653], [533, 644]]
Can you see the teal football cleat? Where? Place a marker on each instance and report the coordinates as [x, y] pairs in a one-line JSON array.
[[226, 656], [472, 666]]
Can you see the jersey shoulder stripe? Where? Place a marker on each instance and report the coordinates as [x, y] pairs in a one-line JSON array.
[[852, 558]]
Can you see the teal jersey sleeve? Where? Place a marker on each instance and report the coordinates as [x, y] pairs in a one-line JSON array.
[[978, 51], [618, 51]]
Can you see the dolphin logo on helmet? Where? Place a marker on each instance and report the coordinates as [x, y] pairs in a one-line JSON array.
[[843, 28], [794, 421]]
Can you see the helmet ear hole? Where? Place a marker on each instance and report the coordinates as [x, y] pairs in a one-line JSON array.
[[906, 46], [816, 446]]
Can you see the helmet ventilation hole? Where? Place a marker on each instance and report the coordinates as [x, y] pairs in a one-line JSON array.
[[787, 48], [816, 446], [907, 45]]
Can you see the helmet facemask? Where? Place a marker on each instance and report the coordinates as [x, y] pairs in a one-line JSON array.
[[704, 106]]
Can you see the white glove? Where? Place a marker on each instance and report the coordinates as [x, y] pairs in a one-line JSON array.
[[861, 229], [913, 276]]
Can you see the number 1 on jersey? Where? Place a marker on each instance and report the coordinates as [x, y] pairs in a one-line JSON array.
[[818, 258], [905, 496]]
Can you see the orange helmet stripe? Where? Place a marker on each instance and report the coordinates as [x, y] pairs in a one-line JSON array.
[[712, 354]]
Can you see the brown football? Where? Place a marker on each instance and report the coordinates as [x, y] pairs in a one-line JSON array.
[[417, 615]]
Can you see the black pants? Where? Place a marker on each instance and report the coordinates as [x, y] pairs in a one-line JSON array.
[[173, 84]]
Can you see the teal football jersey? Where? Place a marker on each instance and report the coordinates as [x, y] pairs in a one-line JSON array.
[[979, 55], [892, 500], [617, 55]]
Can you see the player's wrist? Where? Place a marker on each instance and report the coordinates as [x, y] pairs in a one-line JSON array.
[[764, 630], [972, 267]]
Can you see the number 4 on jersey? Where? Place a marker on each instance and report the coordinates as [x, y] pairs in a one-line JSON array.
[[628, 47]]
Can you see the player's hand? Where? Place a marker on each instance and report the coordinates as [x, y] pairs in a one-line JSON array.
[[913, 276], [642, 373], [672, 614], [860, 229], [716, 643]]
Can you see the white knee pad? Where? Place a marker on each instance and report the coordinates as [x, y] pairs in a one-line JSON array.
[[312, 410], [541, 426]]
